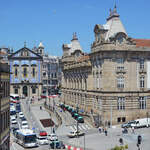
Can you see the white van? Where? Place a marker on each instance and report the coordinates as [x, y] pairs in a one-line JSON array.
[[140, 123]]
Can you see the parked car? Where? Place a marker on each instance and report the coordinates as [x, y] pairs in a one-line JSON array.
[[128, 124], [21, 115], [13, 121], [80, 119], [18, 108], [70, 109], [42, 140], [23, 119], [57, 145], [24, 125], [43, 133], [52, 137], [73, 134], [73, 112], [76, 116]]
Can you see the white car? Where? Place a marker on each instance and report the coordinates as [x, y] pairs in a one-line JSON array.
[[24, 125], [52, 137], [13, 120], [21, 115], [42, 140]]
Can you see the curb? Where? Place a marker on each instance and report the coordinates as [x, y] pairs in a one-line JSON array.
[[69, 147]]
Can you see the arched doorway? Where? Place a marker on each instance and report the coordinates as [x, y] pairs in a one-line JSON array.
[[25, 91]]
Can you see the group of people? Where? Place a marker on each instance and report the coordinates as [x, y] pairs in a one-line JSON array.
[[103, 129], [125, 130]]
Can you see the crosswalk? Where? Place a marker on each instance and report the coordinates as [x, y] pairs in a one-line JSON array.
[[81, 127]]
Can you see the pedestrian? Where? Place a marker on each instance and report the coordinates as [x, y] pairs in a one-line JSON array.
[[132, 130], [121, 141], [105, 131], [100, 130]]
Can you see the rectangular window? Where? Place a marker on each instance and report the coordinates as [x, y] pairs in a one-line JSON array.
[[142, 82], [120, 82], [16, 91], [16, 72], [121, 103], [123, 119], [33, 90], [142, 102], [119, 119], [25, 72], [141, 63], [33, 72]]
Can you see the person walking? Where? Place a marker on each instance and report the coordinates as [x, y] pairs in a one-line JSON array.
[[100, 130], [133, 130], [105, 131]]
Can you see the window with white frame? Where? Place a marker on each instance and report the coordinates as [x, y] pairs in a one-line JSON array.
[[142, 82], [121, 103], [120, 82], [142, 102], [142, 63]]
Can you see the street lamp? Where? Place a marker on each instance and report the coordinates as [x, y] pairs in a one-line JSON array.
[[84, 141]]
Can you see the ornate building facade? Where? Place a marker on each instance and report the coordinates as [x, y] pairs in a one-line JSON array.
[[4, 106], [26, 68], [50, 74], [113, 80]]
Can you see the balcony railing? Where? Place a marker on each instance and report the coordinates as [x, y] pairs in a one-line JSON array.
[[120, 70]]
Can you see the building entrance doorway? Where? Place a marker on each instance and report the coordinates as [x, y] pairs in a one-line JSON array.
[[25, 91]]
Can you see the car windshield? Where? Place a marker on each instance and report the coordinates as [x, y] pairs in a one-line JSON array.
[[42, 138], [30, 139], [24, 123]]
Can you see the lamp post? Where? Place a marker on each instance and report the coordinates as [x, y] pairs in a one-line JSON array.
[[77, 109], [84, 141], [111, 114]]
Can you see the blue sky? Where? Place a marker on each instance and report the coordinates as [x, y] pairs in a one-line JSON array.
[[54, 21]]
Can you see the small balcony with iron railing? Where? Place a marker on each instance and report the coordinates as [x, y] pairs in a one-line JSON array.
[[142, 70]]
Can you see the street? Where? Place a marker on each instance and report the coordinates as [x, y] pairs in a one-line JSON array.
[[92, 140]]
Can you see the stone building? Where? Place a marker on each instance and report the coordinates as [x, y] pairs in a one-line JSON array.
[[26, 68], [113, 80], [50, 74], [4, 106]]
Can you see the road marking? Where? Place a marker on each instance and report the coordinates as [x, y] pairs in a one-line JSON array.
[[87, 126], [83, 127], [79, 127]]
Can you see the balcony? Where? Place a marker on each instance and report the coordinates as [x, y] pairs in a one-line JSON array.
[[120, 69], [142, 71]]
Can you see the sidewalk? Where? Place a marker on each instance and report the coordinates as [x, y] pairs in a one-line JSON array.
[[42, 114]]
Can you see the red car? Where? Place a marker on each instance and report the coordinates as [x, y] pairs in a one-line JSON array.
[[43, 133]]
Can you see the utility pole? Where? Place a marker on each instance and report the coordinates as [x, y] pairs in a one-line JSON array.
[[111, 114], [77, 108]]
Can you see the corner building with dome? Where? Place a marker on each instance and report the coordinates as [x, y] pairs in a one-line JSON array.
[[112, 82]]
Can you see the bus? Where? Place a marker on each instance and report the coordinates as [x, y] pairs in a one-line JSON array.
[[26, 138], [14, 98]]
